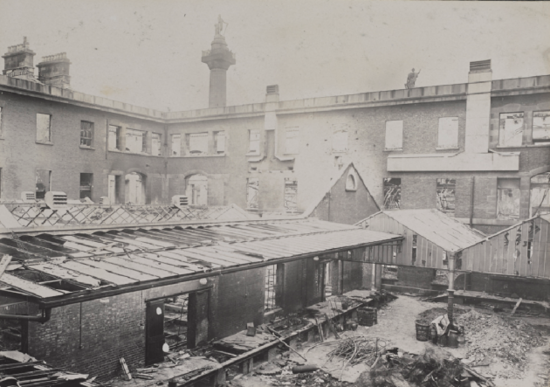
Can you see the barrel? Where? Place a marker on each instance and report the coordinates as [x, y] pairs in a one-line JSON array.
[[422, 331], [367, 316], [452, 340]]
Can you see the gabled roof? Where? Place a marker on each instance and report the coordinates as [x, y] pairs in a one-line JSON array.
[[442, 230], [333, 179], [58, 269]]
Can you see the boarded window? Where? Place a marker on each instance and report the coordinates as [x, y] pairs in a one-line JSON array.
[[394, 135], [136, 140], [86, 133], [114, 137], [175, 145], [340, 141], [540, 194], [510, 129], [156, 144], [252, 188], [392, 193], [541, 126], [43, 128], [292, 141], [291, 195], [198, 143], [447, 134], [254, 142], [86, 182], [508, 197], [445, 195], [219, 142]]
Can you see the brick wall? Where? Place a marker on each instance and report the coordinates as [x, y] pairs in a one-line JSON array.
[[92, 336]]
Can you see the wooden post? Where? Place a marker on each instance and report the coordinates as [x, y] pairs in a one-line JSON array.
[[451, 290]]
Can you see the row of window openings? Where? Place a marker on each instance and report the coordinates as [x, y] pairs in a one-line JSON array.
[[512, 127], [508, 195], [289, 199]]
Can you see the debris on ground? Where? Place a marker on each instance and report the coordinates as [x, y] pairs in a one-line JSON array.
[[499, 342], [434, 368], [429, 315]]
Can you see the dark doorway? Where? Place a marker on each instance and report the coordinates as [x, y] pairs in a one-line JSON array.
[[86, 182], [154, 337]]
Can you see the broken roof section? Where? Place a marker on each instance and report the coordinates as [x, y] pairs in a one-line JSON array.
[[55, 269], [440, 229]]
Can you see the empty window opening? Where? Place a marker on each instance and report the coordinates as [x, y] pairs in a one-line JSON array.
[[113, 189], [175, 322], [540, 194], [445, 195], [510, 129], [197, 143], [270, 288], [197, 190], [351, 182], [508, 198], [340, 141], [114, 137], [447, 135], [86, 183], [254, 142], [135, 188], [43, 182], [175, 145], [86, 133], [392, 193], [328, 279], [292, 141], [43, 128], [219, 142], [394, 135], [413, 252], [541, 126], [136, 141], [252, 189], [291, 195], [156, 144]]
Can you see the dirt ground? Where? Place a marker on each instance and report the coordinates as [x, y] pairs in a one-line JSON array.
[[396, 328]]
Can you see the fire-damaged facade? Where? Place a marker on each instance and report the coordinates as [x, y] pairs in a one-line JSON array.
[[86, 298], [478, 151]]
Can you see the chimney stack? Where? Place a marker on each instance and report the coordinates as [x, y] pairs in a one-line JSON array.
[[54, 71], [218, 59], [478, 107], [18, 61], [272, 93]]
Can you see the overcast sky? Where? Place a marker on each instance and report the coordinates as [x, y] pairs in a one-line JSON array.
[[149, 52]]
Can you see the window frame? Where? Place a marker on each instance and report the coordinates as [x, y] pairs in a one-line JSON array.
[[142, 143], [535, 140], [172, 135], [49, 139], [153, 134], [118, 143], [191, 144], [258, 141], [502, 129], [91, 129], [217, 135]]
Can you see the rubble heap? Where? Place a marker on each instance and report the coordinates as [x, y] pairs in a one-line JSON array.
[[499, 343]]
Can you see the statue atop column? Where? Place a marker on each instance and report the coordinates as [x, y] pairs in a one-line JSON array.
[[220, 25], [411, 79]]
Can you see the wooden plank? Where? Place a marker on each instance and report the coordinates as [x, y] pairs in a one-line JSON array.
[[148, 268], [515, 307], [29, 287], [136, 275], [97, 272], [160, 264], [6, 259]]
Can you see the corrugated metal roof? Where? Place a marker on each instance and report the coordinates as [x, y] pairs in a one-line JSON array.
[[444, 231], [55, 265]]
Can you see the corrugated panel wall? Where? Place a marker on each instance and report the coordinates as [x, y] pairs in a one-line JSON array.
[[520, 251]]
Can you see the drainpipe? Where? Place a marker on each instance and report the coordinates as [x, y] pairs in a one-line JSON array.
[[472, 201], [46, 314], [451, 290]]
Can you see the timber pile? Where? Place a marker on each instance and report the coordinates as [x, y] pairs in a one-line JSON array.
[[498, 343], [358, 349]]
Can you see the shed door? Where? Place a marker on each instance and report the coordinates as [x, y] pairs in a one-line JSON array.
[[154, 327]]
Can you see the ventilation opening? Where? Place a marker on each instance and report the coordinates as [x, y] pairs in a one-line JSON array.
[[480, 65]]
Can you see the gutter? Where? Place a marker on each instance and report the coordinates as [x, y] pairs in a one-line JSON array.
[[46, 314]]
